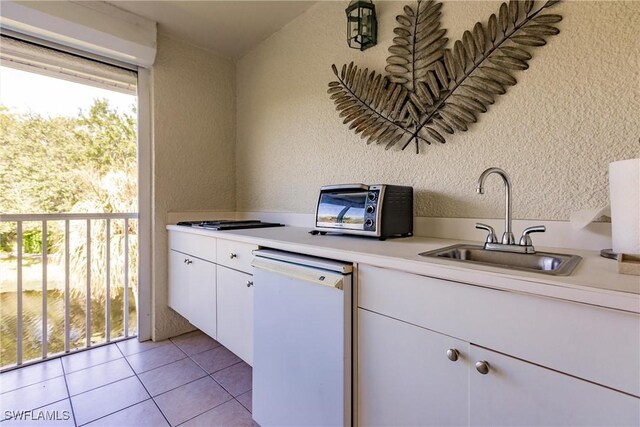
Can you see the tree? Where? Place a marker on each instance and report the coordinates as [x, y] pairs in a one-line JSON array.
[[49, 165], [83, 164]]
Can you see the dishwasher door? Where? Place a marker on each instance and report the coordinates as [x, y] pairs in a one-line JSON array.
[[301, 340]]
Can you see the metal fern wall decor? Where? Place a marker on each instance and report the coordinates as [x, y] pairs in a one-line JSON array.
[[430, 90]]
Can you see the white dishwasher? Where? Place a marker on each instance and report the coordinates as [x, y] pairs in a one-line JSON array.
[[301, 340]]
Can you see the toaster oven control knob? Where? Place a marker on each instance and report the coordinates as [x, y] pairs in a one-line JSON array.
[[368, 223], [371, 209], [371, 196]]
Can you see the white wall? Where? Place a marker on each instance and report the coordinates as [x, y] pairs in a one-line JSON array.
[[555, 132], [193, 151]]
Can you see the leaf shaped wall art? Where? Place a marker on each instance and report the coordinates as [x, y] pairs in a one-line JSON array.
[[430, 90]]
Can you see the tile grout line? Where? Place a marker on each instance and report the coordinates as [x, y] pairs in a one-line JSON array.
[[100, 386], [181, 385], [207, 375], [159, 366], [62, 355], [243, 405], [29, 385], [97, 364], [145, 388], [215, 372], [168, 340], [73, 412], [204, 412], [201, 351], [115, 412], [40, 407], [134, 375], [113, 382], [112, 360], [223, 387]]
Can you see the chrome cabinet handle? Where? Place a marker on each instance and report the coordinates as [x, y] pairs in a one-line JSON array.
[[482, 367], [232, 255], [249, 283], [453, 354]]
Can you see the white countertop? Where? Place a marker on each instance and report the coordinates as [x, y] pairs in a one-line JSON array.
[[594, 281]]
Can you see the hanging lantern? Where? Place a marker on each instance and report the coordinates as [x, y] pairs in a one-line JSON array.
[[362, 27]]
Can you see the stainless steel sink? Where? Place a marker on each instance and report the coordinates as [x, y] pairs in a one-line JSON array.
[[539, 262]]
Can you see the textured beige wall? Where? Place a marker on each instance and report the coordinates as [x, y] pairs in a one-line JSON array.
[[575, 110], [193, 150]]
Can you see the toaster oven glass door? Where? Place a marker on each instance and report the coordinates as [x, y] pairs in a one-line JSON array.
[[342, 210]]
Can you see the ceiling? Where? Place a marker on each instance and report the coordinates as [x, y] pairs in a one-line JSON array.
[[230, 28]]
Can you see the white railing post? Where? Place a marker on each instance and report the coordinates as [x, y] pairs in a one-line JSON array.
[[107, 302], [45, 338], [67, 302], [88, 290], [43, 322], [126, 278], [19, 293]]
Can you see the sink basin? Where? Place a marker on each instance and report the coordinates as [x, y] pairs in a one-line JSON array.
[[540, 262]]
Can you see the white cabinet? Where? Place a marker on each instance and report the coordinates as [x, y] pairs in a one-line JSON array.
[[192, 290], [178, 283], [235, 312], [549, 362], [211, 286], [518, 393], [406, 377]]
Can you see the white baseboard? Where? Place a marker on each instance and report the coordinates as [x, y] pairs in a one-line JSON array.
[[559, 234]]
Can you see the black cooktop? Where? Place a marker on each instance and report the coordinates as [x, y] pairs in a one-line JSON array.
[[229, 224]]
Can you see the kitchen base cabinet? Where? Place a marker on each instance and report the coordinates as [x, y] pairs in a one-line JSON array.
[[524, 360], [192, 290], [235, 312], [211, 286], [178, 283], [406, 375], [517, 393]]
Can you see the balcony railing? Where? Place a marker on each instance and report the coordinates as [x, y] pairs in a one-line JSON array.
[[95, 257]]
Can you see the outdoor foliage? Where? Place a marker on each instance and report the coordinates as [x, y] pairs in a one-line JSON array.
[[61, 164], [82, 164]]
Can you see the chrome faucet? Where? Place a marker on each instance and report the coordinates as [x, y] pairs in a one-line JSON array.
[[508, 243], [507, 237]]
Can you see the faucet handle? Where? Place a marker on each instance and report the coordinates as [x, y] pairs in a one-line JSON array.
[[491, 237], [525, 240]]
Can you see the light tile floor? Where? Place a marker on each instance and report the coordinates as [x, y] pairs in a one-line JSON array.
[[187, 380]]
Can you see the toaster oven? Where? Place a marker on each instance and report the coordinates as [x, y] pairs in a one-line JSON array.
[[371, 210]]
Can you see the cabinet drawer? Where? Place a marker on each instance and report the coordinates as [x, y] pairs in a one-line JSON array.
[[202, 247], [597, 344], [235, 255]]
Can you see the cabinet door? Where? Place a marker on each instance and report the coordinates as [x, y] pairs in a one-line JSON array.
[[179, 283], [405, 377], [202, 295], [515, 392], [235, 312]]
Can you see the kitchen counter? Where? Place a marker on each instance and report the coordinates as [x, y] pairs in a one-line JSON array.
[[595, 280]]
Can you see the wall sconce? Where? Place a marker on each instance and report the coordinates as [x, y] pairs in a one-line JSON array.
[[362, 27]]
